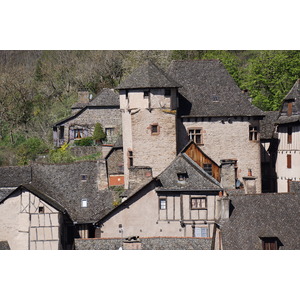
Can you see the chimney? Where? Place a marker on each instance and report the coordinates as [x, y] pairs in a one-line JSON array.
[[228, 173], [83, 96]]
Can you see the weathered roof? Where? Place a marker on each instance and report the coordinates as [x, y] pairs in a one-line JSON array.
[[14, 176], [262, 215], [4, 192], [107, 97], [267, 124], [208, 90], [197, 179], [4, 245], [63, 183], [148, 76], [39, 194], [294, 95], [294, 92]]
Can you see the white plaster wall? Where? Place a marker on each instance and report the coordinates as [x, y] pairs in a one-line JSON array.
[[24, 228], [144, 218], [293, 149], [230, 141]]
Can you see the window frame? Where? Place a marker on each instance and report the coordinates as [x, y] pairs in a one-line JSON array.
[[154, 125], [208, 168], [253, 133], [201, 227], [200, 199], [84, 203], [130, 158], [195, 134], [163, 200]]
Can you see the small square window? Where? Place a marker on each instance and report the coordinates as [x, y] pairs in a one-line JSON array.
[[41, 209], [181, 177], [167, 92], [163, 204], [154, 129], [83, 177], [84, 202], [208, 168], [146, 94]]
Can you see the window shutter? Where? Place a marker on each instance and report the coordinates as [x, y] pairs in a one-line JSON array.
[[289, 161]]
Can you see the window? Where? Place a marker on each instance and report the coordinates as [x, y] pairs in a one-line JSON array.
[[154, 128], [200, 232], [83, 177], [252, 133], [181, 177], [61, 132], [290, 108], [130, 158], [78, 133], [289, 134], [163, 203], [199, 203], [167, 92], [109, 132], [289, 161], [126, 94], [195, 134], [146, 94], [271, 243], [208, 168], [41, 209], [84, 202]]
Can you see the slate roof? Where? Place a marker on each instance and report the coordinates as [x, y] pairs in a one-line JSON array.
[[197, 179], [107, 97], [267, 125], [293, 94], [39, 194], [148, 76], [14, 176], [4, 192], [4, 245], [209, 90], [63, 183], [262, 215]]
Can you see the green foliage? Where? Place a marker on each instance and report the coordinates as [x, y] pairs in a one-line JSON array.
[[29, 150], [98, 134], [270, 75], [118, 191], [87, 141], [61, 155], [93, 156]]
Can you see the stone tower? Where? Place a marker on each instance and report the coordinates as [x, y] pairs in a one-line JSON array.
[[148, 102]]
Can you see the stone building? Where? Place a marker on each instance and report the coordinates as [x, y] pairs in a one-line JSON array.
[[182, 201], [288, 128], [103, 109], [194, 100]]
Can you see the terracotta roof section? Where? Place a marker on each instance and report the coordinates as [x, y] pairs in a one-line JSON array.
[[148, 76], [267, 124], [262, 215], [208, 90]]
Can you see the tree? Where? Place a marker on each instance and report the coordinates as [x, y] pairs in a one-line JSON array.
[[98, 134], [270, 75]]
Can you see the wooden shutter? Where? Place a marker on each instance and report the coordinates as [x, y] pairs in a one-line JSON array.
[[289, 136], [290, 108], [289, 161]]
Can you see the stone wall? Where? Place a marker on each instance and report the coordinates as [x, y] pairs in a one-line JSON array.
[[115, 164], [229, 139], [153, 243], [85, 150]]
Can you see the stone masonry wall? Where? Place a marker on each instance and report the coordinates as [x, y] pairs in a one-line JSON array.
[[230, 140]]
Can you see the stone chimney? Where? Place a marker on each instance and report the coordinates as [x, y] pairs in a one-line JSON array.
[[83, 96], [250, 183], [228, 173], [138, 176]]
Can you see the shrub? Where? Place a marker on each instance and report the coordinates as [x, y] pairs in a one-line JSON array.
[[99, 134], [29, 150], [87, 141], [61, 155]]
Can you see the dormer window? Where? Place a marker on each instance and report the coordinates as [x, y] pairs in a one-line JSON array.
[[146, 94], [83, 177], [182, 177], [215, 98], [84, 202]]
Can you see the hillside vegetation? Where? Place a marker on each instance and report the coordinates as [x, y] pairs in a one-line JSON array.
[[38, 88]]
